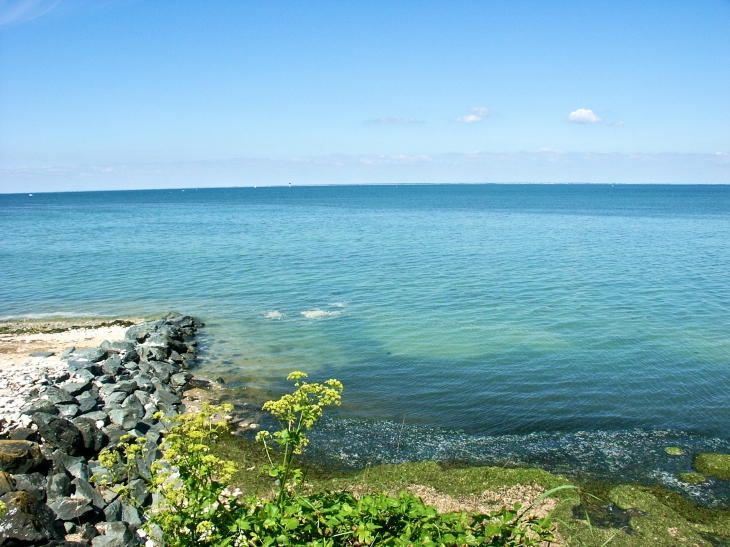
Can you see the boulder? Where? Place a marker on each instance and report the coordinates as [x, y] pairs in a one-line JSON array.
[[130, 356], [27, 521], [114, 534], [59, 433], [57, 396], [66, 354], [58, 486], [7, 483], [128, 417], [24, 434], [148, 353], [113, 511], [94, 439], [19, 456], [41, 405], [75, 465], [87, 402], [77, 388], [42, 353], [123, 345], [92, 355], [68, 410], [180, 379], [142, 330], [33, 483], [86, 491], [71, 508]]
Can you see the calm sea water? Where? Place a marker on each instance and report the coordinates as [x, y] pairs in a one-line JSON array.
[[488, 313]]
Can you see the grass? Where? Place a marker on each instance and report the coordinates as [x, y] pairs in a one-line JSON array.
[[607, 515]]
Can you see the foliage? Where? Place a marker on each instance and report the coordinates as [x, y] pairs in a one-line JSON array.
[[194, 507]]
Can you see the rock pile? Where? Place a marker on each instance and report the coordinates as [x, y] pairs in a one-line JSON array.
[[56, 423]]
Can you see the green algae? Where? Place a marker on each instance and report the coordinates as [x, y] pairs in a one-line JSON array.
[[674, 451], [713, 465], [692, 478]]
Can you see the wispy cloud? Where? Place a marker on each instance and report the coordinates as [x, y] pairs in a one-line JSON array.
[[19, 11], [584, 115], [619, 123], [406, 121], [478, 114]]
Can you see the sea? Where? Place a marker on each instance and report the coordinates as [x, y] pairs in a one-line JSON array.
[[580, 328]]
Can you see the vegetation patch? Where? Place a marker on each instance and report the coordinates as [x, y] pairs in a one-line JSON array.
[[674, 451], [692, 478], [714, 465]]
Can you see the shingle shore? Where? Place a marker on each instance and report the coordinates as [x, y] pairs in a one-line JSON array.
[[58, 418]]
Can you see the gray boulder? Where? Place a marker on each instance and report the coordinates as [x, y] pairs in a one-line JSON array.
[[58, 486], [71, 509], [27, 521], [59, 433]]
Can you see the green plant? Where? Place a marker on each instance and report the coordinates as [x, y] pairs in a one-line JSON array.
[[297, 413], [195, 507]]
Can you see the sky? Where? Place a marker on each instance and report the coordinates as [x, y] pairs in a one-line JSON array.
[[116, 94]]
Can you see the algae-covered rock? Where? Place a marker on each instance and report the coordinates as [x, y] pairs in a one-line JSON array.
[[674, 451], [714, 465], [19, 456], [692, 478]]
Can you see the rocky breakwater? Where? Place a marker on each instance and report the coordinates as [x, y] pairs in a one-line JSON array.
[[66, 415]]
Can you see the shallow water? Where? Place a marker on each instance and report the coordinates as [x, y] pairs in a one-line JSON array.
[[489, 309]]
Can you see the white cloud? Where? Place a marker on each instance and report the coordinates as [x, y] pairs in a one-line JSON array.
[[469, 118], [584, 115], [479, 113], [19, 11]]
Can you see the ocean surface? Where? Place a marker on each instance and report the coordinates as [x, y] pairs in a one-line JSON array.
[[579, 327]]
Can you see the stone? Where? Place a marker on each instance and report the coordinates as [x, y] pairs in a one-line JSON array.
[[200, 384], [147, 353], [68, 410], [59, 433], [130, 357], [7, 483], [94, 439], [114, 398], [19, 456], [86, 491], [24, 434], [138, 490], [115, 434], [114, 534], [125, 386], [180, 379], [42, 353], [87, 402], [105, 379], [175, 356], [113, 511], [713, 465], [97, 416], [77, 387], [71, 508], [131, 366], [126, 417], [130, 516], [33, 483], [167, 397], [66, 354], [144, 382], [27, 521], [58, 486], [158, 340], [70, 527], [142, 330], [41, 405], [142, 396], [123, 345], [57, 396], [92, 355]]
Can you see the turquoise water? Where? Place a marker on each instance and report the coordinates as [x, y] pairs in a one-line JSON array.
[[485, 310]]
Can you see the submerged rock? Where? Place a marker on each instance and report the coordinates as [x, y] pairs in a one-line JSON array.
[[714, 465]]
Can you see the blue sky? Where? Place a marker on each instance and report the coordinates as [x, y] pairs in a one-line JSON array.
[[128, 94]]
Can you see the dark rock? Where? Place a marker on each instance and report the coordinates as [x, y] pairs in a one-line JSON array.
[[7, 483], [113, 511], [76, 388], [180, 379], [68, 410], [114, 534], [105, 379], [165, 396], [131, 366], [24, 434], [147, 353], [42, 353], [143, 382], [27, 521], [87, 531], [59, 433], [94, 439], [125, 386], [142, 330], [66, 354], [201, 384], [33, 483], [41, 405], [175, 356], [130, 356], [97, 416], [86, 491], [93, 355], [57, 396], [158, 340], [19, 456], [138, 491], [84, 369], [142, 396], [87, 402], [75, 465], [70, 527], [114, 398], [115, 434], [71, 508], [130, 516], [220, 380], [127, 418], [58, 486], [123, 345]]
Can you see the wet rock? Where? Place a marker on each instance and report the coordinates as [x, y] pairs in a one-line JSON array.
[[58, 486], [27, 521], [19, 456], [71, 508], [59, 433]]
